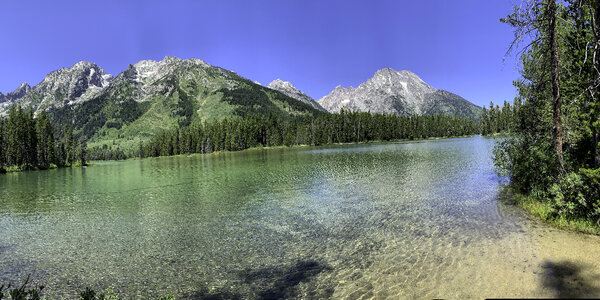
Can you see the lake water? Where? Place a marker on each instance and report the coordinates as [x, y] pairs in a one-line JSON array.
[[409, 219]]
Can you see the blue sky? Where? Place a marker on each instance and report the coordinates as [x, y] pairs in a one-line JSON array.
[[453, 45]]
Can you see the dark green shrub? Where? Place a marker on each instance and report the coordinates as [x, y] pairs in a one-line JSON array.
[[90, 294], [529, 166], [577, 194]]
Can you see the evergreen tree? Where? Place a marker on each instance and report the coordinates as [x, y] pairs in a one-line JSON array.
[[553, 154], [45, 138], [15, 137], [3, 145], [81, 151], [69, 143]]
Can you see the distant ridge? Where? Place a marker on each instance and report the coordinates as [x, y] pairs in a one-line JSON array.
[[398, 92], [289, 89]]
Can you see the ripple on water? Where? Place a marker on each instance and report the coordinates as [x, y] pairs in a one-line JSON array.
[[396, 220]]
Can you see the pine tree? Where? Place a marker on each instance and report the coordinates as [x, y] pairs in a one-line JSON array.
[[81, 152], [69, 144], [45, 138], [3, 145]]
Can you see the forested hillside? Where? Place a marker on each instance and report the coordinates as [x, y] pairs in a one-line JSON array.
[[32, 143], [28, 143], [145, 99], [269, 130]]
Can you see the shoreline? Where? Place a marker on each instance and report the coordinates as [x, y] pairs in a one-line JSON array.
[[543, 211], [16, 169], [296, 146]]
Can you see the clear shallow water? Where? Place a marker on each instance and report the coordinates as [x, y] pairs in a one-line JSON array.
[[418, 219]]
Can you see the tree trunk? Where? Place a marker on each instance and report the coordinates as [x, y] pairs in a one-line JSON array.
[[555, 68], [596, 98]]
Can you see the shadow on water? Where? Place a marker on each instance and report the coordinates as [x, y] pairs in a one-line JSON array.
[[274, 283], [565, 280]]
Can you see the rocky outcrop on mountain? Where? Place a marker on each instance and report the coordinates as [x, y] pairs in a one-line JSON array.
[[147, 97], [397, 92], [289, 89], [151, 96], [23, 89], [82, 81]]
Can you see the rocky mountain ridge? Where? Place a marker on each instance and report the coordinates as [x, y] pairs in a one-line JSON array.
[[146, 98], [289, 89], [65, 86], [151, 96], [16, 94], [397, 92], [84, 80]]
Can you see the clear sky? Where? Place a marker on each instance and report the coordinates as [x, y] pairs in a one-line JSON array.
[[454, 45]]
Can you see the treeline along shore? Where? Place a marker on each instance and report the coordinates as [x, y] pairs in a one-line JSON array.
[[29, 142]]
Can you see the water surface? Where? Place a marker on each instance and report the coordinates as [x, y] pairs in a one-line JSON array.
[[409, 219]]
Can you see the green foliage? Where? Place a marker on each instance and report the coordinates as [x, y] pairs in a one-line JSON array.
[[90, 294], [546, 211], [20, 139], [529, 167], [569, 193], [69, 145], [577, 194], [251, 99], [82, 151], [170, 296], [28, 143], [270, 130], [591, 179], [499, 120], [105, 152], [45, 134]]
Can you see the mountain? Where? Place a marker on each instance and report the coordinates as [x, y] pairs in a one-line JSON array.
[[146, 98], [289, 89], [151, 96], [8, 99], [16, 94], [398, 92], [66, 86]]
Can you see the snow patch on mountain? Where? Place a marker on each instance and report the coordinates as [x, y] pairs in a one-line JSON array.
[[397, 92]]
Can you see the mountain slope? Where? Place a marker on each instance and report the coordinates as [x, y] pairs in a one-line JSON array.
[[16, 94], [289, 89], [148, 97], [398, 92], [66, 86]]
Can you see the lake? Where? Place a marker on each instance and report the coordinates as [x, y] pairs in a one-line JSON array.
[[408, 219]]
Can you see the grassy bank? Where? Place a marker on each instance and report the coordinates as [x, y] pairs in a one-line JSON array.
[[544, 210]]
